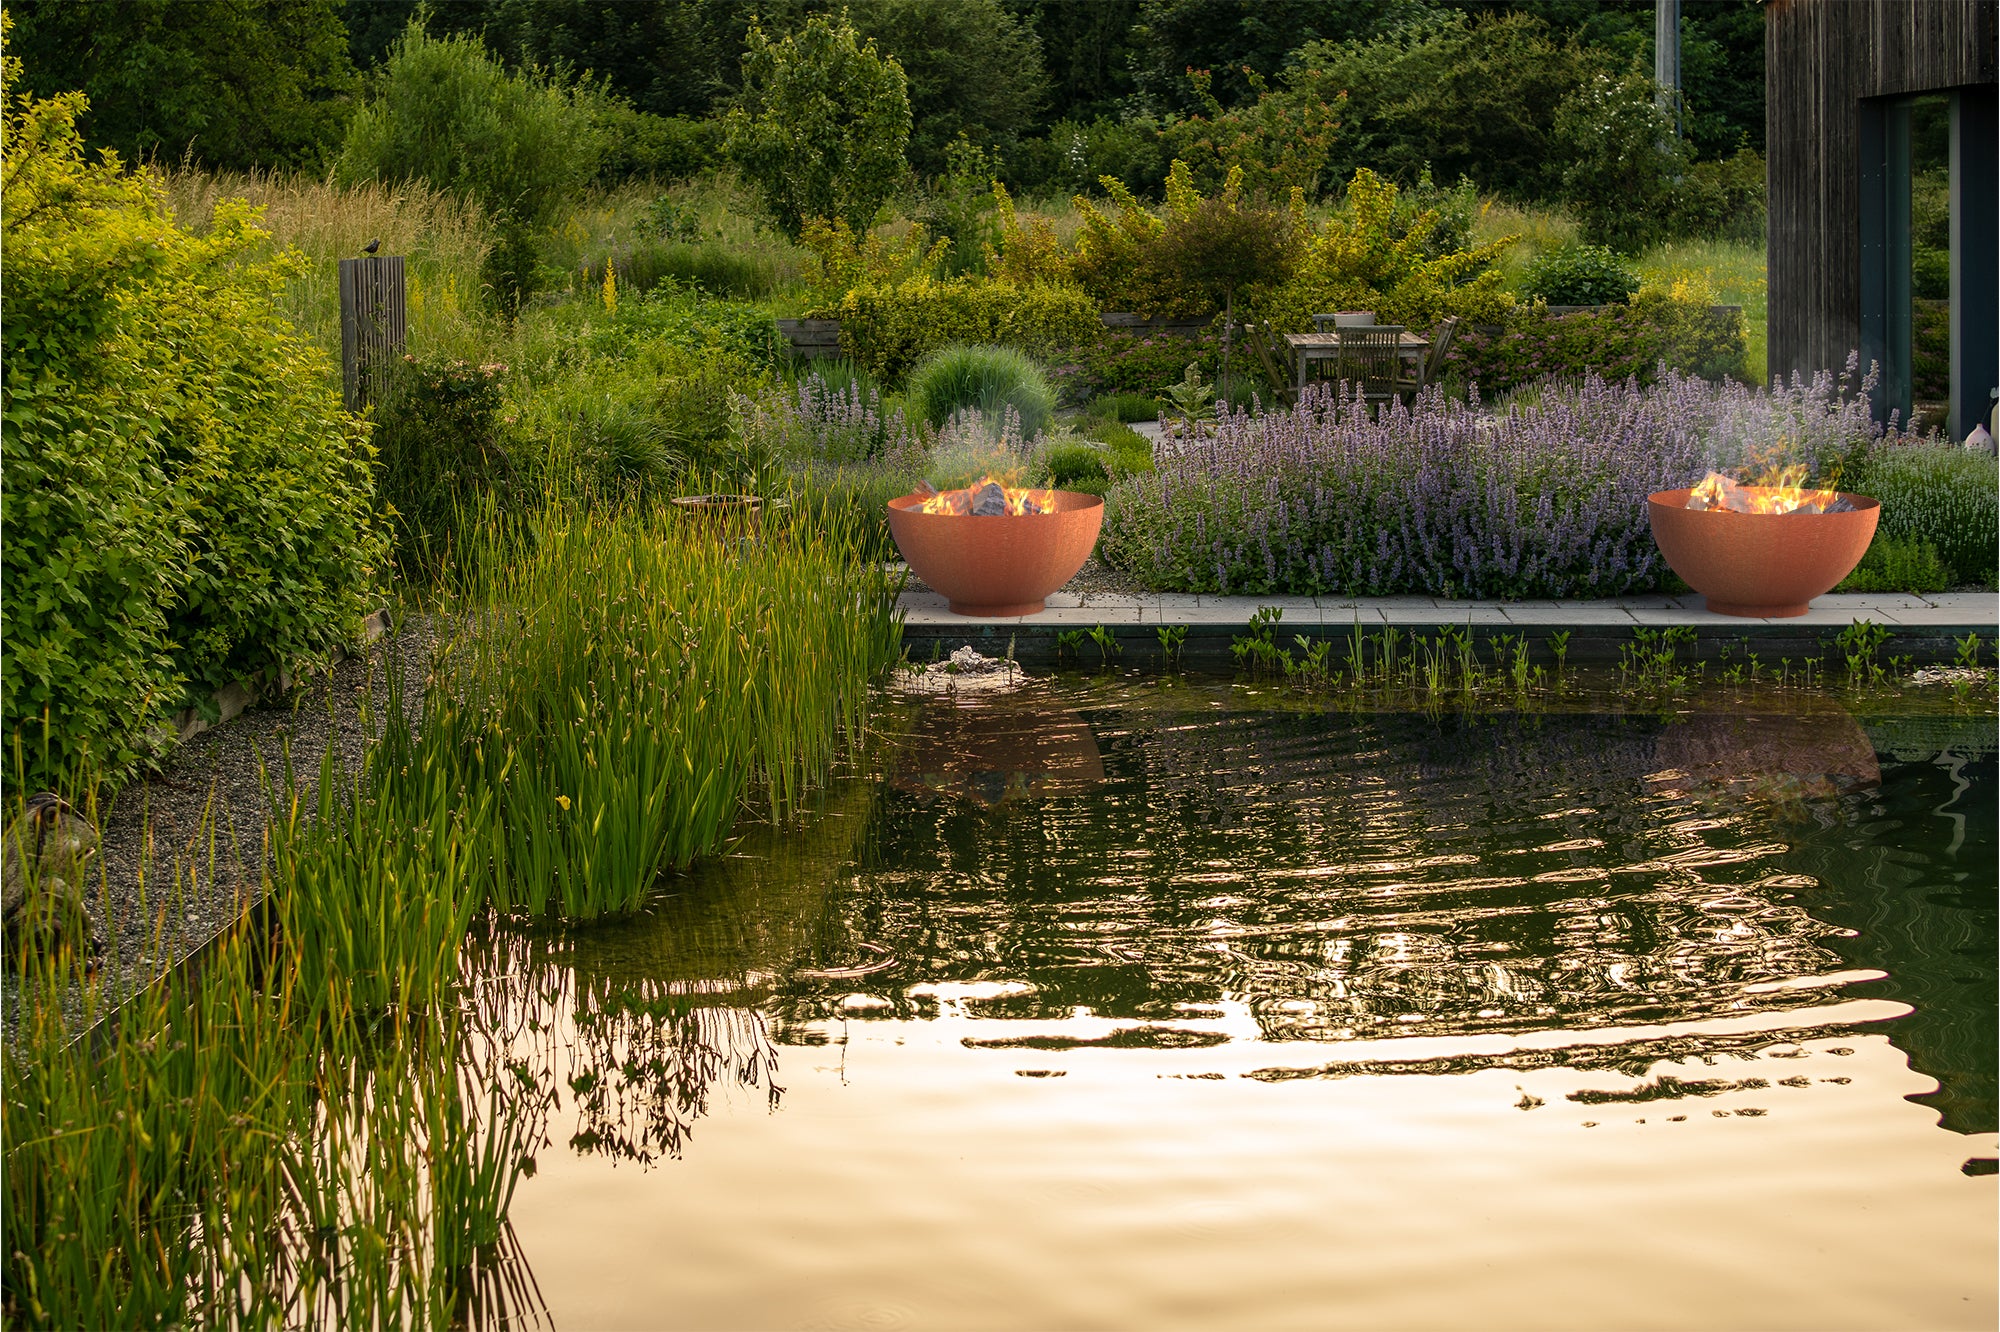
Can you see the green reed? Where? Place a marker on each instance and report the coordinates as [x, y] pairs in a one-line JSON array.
[[650, 678]]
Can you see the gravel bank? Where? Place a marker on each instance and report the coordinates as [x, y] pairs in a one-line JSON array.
[[181, 852]]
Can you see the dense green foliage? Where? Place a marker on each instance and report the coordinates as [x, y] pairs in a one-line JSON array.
[[230, 83], [888, 329], [821, 125], [445, 111], [1618, 342], [186, 502], [441, 459], [1579, 275]]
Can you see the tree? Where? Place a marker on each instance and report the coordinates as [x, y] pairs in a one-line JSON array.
[[1087, 50], [1237, 38], [821, 124], [1218, 246], [973, 69], [444, 111], [236, 84], [1467, 98], [1624, 163]]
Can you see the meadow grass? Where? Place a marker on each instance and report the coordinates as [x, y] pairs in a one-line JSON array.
[[444, 242], [1733, 272]]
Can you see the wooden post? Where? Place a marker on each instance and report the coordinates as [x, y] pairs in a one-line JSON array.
[[372, 330]]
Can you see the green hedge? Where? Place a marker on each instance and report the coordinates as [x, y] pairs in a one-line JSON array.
[[888, 329], [186, 503]]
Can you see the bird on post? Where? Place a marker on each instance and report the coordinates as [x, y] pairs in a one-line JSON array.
[[371, 247]]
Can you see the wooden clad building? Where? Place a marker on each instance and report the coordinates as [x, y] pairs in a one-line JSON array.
[[1844, 80]]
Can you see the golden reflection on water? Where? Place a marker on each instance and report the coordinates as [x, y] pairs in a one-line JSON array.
[[1263, 1021]]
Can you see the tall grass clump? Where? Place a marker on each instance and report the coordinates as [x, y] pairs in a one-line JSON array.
[[653, 680], [1546, 499], [1940, 495], [443, 239], [985, 378], [248, 1142]]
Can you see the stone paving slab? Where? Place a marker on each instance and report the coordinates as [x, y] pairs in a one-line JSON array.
[[1970, 609], [1926, 627]]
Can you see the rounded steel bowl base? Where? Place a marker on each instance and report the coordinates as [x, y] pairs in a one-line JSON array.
[[996, 612], [1755, 612]]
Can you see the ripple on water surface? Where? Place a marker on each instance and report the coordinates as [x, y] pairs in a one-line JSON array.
[[1105, 1006]]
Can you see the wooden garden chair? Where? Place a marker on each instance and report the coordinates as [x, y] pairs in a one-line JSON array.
[[1408, 385], [1368, 358]]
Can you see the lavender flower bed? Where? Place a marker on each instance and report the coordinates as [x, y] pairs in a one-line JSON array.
[[1446, 499]]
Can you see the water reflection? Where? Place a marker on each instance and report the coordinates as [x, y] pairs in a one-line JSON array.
[[988, 750], [1056, 902]]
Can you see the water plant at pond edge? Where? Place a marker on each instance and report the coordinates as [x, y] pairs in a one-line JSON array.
[[649, 680], [1390, 665], [237, 1147]]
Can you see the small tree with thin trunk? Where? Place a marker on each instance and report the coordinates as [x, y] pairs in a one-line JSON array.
[[1220, 247]]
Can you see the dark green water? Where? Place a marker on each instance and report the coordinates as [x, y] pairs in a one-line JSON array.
[[1140, 1003]]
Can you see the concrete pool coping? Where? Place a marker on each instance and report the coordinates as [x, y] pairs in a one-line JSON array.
[[1925, 627]]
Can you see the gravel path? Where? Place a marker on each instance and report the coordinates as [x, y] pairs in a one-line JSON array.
[[181, 852]]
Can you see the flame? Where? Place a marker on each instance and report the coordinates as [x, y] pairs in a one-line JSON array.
[[1016, 500], [1780, 490]]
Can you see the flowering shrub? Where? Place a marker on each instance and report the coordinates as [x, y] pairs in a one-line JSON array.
[[816, 422], [1444, 499], [1936, 494]]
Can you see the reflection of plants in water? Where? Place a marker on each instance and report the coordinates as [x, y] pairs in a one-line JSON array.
[[643, 1069]]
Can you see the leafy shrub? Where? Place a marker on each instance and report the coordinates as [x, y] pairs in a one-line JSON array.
[[1891, 565], [441, 452], [1277, 143], [821, 124], [1140, 365], [637, 145], [1624, 162], [1366, 257], [1579, 275], [1074, 155], [1547, 499], [888, 329], [983, 377], [446, 112], [1078, 467], [1461, 97], [1723, 199], [1616, 343], [1936, 494], [186, 504], [1129, 450]]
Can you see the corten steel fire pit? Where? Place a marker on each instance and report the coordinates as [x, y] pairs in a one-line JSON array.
[[997, 564], [1768, 565]]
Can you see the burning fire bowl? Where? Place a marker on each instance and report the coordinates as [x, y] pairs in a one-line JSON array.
[[1769, 565], [1000, 564]]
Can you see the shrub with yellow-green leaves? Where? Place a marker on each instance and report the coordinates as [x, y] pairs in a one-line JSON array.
[[186, 502], [888, 329], [1357, 261]]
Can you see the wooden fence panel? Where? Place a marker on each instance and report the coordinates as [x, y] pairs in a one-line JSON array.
[[373, 328]]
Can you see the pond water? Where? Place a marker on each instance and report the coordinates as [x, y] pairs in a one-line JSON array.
[[1142, 1003]]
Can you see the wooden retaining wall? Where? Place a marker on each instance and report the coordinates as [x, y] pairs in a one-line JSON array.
[[1821, 59]]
